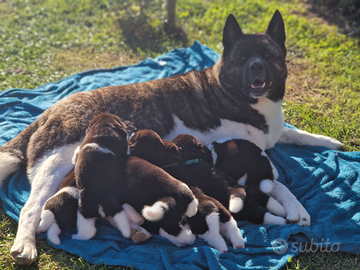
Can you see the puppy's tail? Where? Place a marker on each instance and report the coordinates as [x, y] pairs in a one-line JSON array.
[[236, 200], [192, 208], [13, 153], [157, 211]]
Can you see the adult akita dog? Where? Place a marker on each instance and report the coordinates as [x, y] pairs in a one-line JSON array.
[[239, 97]]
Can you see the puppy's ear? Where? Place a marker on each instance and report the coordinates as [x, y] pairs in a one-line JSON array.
[[132, 137], [276, 28], [232, 32], [76, 154]]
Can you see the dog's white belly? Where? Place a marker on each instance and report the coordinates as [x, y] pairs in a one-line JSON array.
[[235, 130]]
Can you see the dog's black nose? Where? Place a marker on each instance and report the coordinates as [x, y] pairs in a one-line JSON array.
[[256, 66]]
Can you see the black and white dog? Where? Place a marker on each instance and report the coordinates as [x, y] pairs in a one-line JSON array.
[[239, 97]]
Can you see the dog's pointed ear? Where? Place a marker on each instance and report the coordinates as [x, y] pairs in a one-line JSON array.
[[276, 28], [232, 31]]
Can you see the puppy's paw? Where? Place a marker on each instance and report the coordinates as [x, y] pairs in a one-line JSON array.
[[299, 216]]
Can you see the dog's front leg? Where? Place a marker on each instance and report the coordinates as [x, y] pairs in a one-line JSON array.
[[45, 178], [296, 213], [301, 137]]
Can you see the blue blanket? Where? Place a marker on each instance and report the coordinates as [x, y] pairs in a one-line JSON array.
[[326, 182]]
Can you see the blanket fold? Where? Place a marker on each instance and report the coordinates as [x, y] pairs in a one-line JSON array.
[[326, 182]]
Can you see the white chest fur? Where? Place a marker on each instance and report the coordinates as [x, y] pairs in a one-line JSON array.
[[271, 111]]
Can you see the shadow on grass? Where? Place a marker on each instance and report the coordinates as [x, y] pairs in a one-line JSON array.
[[345, 14], [141, 33]]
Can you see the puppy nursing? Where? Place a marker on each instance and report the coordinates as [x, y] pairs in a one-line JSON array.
[[107, 179], [187, 160], [60, 211], [153, 183]]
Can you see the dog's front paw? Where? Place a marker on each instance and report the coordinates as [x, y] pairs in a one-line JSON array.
[[24, 252], [331, 143]]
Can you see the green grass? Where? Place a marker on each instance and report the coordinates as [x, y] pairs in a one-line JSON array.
[[43, 41]]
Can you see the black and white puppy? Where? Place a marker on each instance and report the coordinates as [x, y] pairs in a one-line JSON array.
[[60, 210], [246, 162], [160, 198], [245, 203], [256, 170], [60, 213], [212, 218], [97, 172]]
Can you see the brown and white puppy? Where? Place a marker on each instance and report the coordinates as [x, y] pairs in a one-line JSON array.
[[212, 217], [240, 96]]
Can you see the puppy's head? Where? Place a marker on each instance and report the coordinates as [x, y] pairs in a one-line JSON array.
[[172, 153], [107, 124], [146, 144], [108, 131], [191, 148]]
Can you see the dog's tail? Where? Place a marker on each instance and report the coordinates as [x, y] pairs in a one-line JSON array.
[[157, 211], [13, 153]]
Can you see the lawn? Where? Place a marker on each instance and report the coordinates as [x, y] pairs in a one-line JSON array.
[[43, 41]]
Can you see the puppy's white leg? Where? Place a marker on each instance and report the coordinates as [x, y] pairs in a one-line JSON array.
[[231, 231], [296, 213], [271, 219], [185, 237], [215, 241], [86, 228], [53, 234], [300, 137], [123, 224], [47, 218], [275, 207], [45, 178], [132, 214]]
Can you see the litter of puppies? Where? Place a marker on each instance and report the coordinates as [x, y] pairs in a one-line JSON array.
[[144, 185]]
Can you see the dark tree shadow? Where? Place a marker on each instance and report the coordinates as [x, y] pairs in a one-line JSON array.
[[344, 13], [141, 32]]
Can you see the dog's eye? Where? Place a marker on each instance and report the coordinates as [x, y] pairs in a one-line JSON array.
[[268, 57]]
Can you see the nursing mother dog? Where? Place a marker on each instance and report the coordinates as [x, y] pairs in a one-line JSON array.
[[239, 97]]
